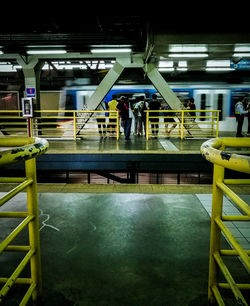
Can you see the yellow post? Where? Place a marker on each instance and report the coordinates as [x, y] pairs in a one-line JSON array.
[[74, 118], [34, 235], [217, 124], [182, 120], [215, 230], [117, 126], [147, 125]]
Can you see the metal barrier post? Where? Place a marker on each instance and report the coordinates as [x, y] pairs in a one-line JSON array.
[[34, 235], [215, 232], [182, 121], [117, 126], [28, 149], [147, 125], [212, 150]]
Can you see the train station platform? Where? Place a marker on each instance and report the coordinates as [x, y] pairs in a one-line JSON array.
[[123, 161]]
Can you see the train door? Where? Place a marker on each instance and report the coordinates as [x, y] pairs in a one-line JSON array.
[[203, 99], [221, 102]]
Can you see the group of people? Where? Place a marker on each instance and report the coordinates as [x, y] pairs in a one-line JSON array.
[[137, 112], [126, 113], [242, 107]]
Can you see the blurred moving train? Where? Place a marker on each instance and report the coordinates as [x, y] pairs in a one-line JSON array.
[[207, 97], [210, 97]]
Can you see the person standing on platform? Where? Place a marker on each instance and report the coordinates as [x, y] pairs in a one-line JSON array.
[[154, 104], [239, 114], [101, 120], [192, 106], [140, 108], [112, 115], [168, 120], [123, 107]]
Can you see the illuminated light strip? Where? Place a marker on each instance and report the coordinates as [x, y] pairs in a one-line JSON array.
[[114, 50], [188, 55], [46, 51]]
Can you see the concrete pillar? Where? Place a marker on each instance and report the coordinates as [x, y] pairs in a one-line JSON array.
[[31, 70]]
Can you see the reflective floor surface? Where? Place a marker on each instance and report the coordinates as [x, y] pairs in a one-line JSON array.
[[121, 249]]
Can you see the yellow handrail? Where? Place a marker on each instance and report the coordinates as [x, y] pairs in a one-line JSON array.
[[26, 149], [214, 151], [23, 149]]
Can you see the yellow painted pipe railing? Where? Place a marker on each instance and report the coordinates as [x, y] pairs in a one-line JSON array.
[[214, 151], [23, 149], [74, 124], [185, 125]]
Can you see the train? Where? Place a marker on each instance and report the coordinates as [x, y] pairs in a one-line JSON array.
[[207, 97], [215, 96]]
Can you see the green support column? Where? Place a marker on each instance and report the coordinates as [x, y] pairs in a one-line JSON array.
[[105, 85], [162, 86]]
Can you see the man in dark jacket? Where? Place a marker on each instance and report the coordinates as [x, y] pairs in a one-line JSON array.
[[154, 104], [123, 107]]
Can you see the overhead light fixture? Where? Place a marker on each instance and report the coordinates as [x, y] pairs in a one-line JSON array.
[[182, 64], [46, 51], [187, 48], [241, 55], [242, 48], [183, 55], [218, 63], [219, 69], [166, 69], [111, 50], [165, 64]]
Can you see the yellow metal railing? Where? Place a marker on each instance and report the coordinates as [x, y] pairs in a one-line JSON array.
[[61, 124], [206, 124], [23, 149], [214, 151]]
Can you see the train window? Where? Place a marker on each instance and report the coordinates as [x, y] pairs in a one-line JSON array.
[[220, 105], [203, 104]]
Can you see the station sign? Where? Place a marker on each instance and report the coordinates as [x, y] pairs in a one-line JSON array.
[[241, 65], [31, 92]]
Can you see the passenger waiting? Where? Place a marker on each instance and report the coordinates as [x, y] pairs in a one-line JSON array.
[[101, 120], [123, 107], [140, 108], [168, 120], [154, 104], [112, 115]]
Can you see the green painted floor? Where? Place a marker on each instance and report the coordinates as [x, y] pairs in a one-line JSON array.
[[120, 249]]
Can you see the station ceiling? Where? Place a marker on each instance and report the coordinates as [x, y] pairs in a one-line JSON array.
[[156, 36]]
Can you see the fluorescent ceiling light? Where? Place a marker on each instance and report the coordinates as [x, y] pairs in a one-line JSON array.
[[187, 48], [219, 69], [218, 63], [242, 49], [241, 55], [46, 51], [1, 52], [165, 69], [181, 69], [113, 50], [166, 64], [182, 64], [188, 55]]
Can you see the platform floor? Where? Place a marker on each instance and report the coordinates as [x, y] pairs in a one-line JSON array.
[[124, 248], [137, 144]]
